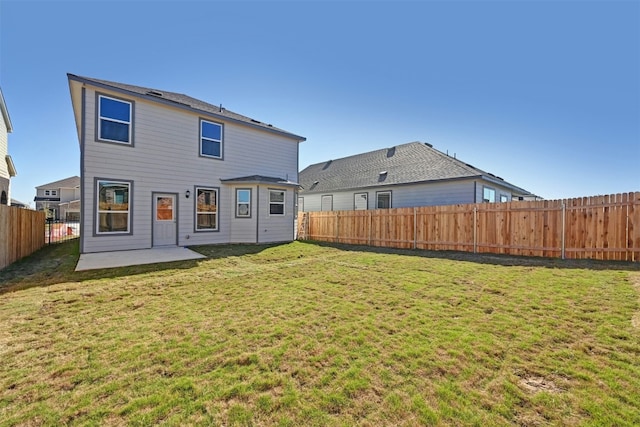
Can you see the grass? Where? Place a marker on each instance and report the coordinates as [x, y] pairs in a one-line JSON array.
[[308, 334]]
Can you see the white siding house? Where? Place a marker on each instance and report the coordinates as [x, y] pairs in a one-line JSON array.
[[7, 168], [408, 175], [163, 169]]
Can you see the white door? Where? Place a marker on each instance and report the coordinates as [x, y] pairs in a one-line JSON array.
[[164, 220]]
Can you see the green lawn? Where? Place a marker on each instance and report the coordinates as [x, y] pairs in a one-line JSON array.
[[307, 334]]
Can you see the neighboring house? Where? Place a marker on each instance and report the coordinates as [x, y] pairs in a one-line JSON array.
[[408, 175], [7, 168], [61, 199], [19, 204], [164, 169]]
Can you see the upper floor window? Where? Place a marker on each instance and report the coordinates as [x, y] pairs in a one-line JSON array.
[[210, 139], [276, 202], [383, 200], [488, 194], [114, 120], [50, 192]]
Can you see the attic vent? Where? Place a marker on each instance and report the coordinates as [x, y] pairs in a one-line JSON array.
[[391, 151], [382, 176], [326, 165], [154, 93]]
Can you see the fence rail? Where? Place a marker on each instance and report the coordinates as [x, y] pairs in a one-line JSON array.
[[21, 233], [599, 227]]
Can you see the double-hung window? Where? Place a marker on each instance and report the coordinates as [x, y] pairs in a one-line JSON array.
[[383, 200], [210, 139], [243, 203], [206, 209], [113, 207], [114, 120], [488, 194], [276, 202]]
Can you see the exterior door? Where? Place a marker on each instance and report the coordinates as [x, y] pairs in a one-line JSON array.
[[164, 220]]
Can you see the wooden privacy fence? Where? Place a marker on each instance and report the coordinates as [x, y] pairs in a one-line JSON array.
[[600, 227], [21, 233]]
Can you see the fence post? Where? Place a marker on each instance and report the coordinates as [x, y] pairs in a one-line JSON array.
[[337, 227], [415, 228], [564, 216], [475, 229], [626, 245], [370, 227]]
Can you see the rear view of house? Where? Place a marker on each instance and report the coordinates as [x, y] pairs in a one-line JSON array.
[[160, 168]]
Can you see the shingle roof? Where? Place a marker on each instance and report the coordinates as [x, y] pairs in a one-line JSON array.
[[71, 182], [185, 101], [260, 179], [403, 164]]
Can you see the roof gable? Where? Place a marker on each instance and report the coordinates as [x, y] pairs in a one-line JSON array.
[[184, 101], [414, 162]]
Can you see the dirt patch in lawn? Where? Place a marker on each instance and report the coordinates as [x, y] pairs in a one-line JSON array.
[[536, 384], [635, 282]]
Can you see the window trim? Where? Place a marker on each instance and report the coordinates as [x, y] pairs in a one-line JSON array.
[[484, 188], [504, 198], [322, 200], [300, 203], [195, 209], [355, 205], [98, 123], [201, 138], [96, 210], [283, 203], [389, 192], [238, 204]]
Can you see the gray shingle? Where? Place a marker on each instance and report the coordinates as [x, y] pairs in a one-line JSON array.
[[404, 164]]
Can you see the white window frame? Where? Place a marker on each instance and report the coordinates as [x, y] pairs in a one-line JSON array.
[[216, 213], [129, 184], [322, 201], [366, 201], [203, 138], [248, 214], [378, 194], [492, 194], [283, 203], [129, 123], [504, 198]]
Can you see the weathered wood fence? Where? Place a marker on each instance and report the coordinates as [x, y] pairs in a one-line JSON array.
[[600, 227], [21, 233]]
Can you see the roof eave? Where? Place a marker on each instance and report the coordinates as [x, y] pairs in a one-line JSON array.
[[184, 107], [5, 113], [12, 167]]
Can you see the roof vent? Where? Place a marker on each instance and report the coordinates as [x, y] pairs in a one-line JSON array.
[[256, 121], [154, 93], [326, 165], [382, 176], [391, 151], [383, 173], [428, 145]]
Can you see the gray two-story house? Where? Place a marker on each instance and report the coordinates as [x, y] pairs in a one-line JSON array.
[[60, 199], [160, 168]]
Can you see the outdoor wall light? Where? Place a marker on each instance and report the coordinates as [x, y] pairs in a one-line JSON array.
[[187, 194]]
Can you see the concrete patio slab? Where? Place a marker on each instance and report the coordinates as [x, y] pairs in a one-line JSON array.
[[95, 261]]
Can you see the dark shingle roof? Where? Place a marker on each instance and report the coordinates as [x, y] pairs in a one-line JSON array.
[[185, 101], [403, 164]]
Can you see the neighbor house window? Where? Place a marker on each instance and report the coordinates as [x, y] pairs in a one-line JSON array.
[[276, 202], [243, 203], [360, 201], [206, 209], [210, 139], [114, 120], [383, 200], [488, 194], [114, 208], [504, 198], [300, 204], [326, 203]]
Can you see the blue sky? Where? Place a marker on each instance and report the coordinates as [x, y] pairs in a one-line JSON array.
[[544, 94]]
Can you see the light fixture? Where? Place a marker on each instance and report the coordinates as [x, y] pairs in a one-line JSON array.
[[187, 194]]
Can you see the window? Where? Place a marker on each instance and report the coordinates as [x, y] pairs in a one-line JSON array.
[[360, 201], [114, 120], [50, 192], [210, 139], [276, 202], [383, 200], [206, 209], [326, 203], [243, 203], [504, 198], [47, 192], [488, 194], [300, 204], [113, 207]]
